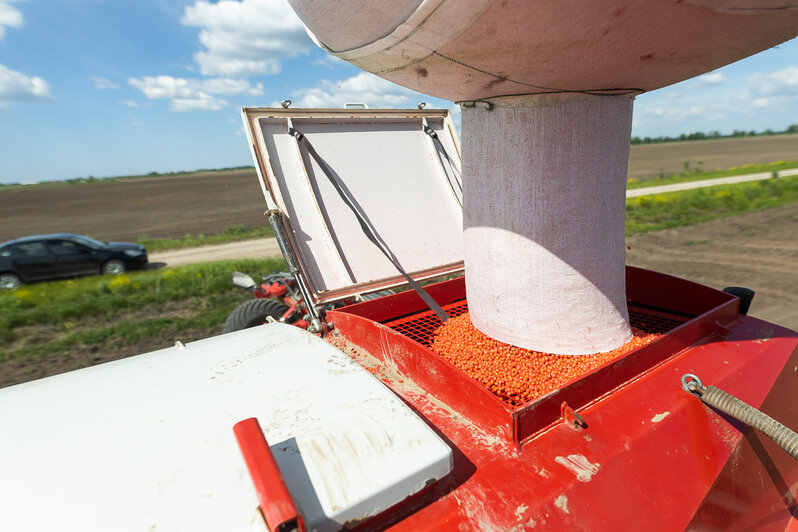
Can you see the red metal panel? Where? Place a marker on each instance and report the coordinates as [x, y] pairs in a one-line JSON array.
[[752, 491], [430, 372], [408, 303], [652, 456], [407, 314]]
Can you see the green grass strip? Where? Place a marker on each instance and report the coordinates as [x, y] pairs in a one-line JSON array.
[[236, 233], [108, 312], [127, 332], [687, 207], [76, 299]]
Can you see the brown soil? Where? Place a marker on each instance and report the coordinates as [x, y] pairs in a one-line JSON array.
[[157, 207], [758, 250], [31, 368], [646, 161], [173, 206]]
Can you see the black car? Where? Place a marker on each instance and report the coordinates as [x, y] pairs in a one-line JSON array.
[[41, 257]]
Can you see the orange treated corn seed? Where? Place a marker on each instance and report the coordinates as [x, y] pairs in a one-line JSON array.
[[515, 374]]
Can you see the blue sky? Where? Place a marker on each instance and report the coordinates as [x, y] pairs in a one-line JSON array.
[[115, 87]]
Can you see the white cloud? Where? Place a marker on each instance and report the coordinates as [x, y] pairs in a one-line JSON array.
[[17, 87], [200, 102], [774, 90], [232, 86], [328, 61], [780, 83], [362, 88], [245, 38], [10, 17], [193, 94], [103, 83], [129, 103], [725, 103], [713, 78], [371, 90], [681, 112]]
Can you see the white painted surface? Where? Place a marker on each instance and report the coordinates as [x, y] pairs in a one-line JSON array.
[[579, 465], [703, 183], [398, 182], [146, 443], [660, 417], [544, 222]]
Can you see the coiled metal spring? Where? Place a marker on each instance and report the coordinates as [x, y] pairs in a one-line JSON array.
[[784, 437]]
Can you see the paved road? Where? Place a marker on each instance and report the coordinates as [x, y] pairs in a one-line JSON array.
[[648, 191], [267, 247]]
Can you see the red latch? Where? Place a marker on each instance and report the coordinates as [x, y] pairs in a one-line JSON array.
[[571, 417], [276, 504]]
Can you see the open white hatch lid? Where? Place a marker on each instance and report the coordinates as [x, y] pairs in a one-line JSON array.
[[404, 181]]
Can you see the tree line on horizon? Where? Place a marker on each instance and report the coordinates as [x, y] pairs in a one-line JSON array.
[[700, 135]]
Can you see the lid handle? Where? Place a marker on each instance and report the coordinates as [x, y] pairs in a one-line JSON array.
[[276, 503]]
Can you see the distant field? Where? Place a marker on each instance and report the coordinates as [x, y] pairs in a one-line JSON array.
[[209, 203], [646, 161], [50, 328], [128, 209]]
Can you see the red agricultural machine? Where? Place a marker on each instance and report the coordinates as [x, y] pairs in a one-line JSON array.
[[630, 433], [580, 394], [277, 298]]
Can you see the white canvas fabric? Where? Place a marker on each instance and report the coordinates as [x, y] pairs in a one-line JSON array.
[[347, 24], [544, 204], [471, 49], [545, 170]]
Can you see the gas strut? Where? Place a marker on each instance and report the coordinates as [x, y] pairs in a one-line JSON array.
[[730, 405]]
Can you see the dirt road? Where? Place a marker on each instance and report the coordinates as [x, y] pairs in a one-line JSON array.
[[264, 248], [758, 250], [648, 191]]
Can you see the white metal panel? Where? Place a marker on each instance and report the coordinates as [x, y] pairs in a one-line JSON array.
[[409, 192], [146, 443]]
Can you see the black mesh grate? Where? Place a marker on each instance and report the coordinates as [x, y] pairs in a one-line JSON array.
[[422, 326]]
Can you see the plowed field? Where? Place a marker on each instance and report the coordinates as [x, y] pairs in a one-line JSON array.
[[757, 250], [156, 207], [208, 203]]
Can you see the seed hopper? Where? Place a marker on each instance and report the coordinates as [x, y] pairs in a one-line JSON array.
[[362, 421], [626, 435]]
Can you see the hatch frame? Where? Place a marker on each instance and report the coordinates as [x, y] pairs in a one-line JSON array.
[[275, 166]]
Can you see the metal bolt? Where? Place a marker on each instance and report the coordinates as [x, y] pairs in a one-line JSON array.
[[692, 384]]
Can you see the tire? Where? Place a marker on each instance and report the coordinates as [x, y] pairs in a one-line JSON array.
[[253, 312], [114, 267], [9, 281]]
